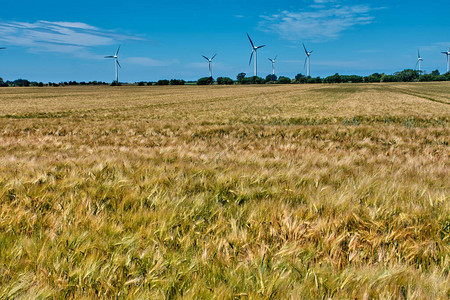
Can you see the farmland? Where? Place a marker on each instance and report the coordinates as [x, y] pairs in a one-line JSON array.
[[272, 191]]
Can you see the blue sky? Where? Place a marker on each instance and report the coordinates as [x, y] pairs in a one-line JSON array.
[[67, 40]]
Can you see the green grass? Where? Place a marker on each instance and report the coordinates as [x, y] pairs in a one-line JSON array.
[[295, 191]]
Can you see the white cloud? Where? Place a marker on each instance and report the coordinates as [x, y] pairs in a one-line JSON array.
[[62, 37], [148, 62], [321, 21], [323, 1], [439, 46]]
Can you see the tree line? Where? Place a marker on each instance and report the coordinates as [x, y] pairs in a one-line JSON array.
[[27, 83], [407, 75]]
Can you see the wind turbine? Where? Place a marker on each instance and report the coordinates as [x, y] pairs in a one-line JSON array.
[[419, 60], [116, 64], [210, 63], [307, 59], [448, 61], [273, 64], [254, 49]]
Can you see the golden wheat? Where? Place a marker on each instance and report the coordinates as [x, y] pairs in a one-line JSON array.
[[296, 191]]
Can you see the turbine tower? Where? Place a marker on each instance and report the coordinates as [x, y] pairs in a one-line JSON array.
[[448, 61], [210, 63], [419, 60], [254, 49], [116, 63], [307, 59], [273, 64]]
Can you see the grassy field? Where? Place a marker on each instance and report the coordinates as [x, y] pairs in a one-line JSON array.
[[286, 192]]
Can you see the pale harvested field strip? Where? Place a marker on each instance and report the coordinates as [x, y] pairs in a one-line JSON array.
[[428, 96]]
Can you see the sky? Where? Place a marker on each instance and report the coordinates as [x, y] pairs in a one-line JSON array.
[[67, 40]]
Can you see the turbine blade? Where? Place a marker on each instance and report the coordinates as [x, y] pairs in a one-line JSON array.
[[260, 46], [251, 56], [275, 57], [270, 59], [251, 42], [306, 51], [205, 58], [304, 65], [418, 53], [213, 56], [311, 51], [1, 48], [415, 67], [118, 64], [117, 50], [109, 56]]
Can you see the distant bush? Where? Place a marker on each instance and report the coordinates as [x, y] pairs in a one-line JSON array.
[[447, 76], [389, 78], [351, 79], [225, 81], [177, 82], [428, 77], [252, 80], [205, 81], [283, 80], [313, 80], [162, 82]]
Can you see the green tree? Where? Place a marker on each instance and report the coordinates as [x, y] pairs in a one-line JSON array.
[[177, 82], [283, 80], [205, 81], [271, 78], [225, 81], [313, 80], [336, 78], [21, 82], [351, 78], [407, 75], [389, 78], [240, 77], [375, 77], [252, 80], [162, 82]]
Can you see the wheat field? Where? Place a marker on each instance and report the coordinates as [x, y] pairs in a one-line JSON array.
[[235, 192]]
